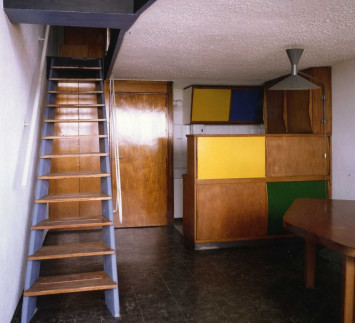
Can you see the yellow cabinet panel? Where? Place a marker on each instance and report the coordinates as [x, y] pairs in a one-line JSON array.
[[230, 157], [211, 105]]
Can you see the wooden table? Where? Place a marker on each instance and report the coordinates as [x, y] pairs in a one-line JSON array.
[[330, 223]]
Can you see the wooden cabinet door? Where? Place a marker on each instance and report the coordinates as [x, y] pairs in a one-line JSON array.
[[231, 211], [297, 156], [210, 105], [231, 157], [142, 137], [282, 194]]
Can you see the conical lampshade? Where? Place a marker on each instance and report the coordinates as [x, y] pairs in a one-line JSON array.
[[294, 81]]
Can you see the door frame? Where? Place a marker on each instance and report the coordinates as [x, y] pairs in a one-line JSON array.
[[157, 87]]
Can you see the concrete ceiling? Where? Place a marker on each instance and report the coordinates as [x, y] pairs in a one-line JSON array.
[[234, 42]]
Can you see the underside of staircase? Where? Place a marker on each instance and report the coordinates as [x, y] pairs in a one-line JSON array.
[[71, 79]]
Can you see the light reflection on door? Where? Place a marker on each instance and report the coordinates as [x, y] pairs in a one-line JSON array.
[[142, 136]]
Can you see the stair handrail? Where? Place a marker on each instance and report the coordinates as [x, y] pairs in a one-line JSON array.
[[116, 151], [35, 111]]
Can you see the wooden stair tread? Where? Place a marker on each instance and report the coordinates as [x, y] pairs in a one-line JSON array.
[[73, 175], [68, 105], [71, 283], [73, 120], [76, 197], [75, 136], [72, 223], [74, 155], [75, 92], [72, 250], [69, 79], [57, 67]]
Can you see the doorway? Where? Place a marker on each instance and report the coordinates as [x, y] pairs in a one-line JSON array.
[[142, 116]]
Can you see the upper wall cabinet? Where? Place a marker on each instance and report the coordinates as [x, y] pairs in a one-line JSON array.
[[300, 111], [210, 105], [226, 105]]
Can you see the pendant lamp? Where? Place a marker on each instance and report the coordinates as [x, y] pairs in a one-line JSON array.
[[294, 81]]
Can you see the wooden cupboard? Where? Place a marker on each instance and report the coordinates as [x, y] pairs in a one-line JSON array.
[[300, 111], [238, 186]]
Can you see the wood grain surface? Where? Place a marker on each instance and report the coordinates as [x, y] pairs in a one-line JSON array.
[[72, 223], [82, 148], [325, 75], [298, 112], [142, 137], [86, 249], [141, 87], [71, 284], [189, 191], [274, 112], [231, 211], [92, 38], [62, 198], [330, 222], [297, 156]]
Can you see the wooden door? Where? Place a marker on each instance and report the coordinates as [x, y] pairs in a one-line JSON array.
[[143, 145]]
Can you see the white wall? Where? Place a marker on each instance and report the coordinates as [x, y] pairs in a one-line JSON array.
[[20, 53], [180, 143], [180, 153], [343, 144]]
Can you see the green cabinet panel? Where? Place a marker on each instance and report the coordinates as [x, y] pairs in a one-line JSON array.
[[282, 194]]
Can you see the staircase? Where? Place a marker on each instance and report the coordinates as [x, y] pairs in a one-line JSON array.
[[72, 78]]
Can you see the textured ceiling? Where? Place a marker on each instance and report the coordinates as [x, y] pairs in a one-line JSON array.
[[236, 42]]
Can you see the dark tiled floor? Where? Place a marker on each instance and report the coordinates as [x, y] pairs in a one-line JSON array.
[[162, 281]]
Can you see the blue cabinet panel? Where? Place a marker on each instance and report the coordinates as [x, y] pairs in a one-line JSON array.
[[247, 105]]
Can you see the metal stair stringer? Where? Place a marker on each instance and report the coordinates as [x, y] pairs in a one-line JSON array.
[[110, 262], [39, 213]]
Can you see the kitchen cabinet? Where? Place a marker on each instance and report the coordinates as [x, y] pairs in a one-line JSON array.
[[238, 186]]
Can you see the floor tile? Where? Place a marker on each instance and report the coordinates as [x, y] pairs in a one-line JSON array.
[[156, 302], [162, 281], [162, 316], [124, 318]]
